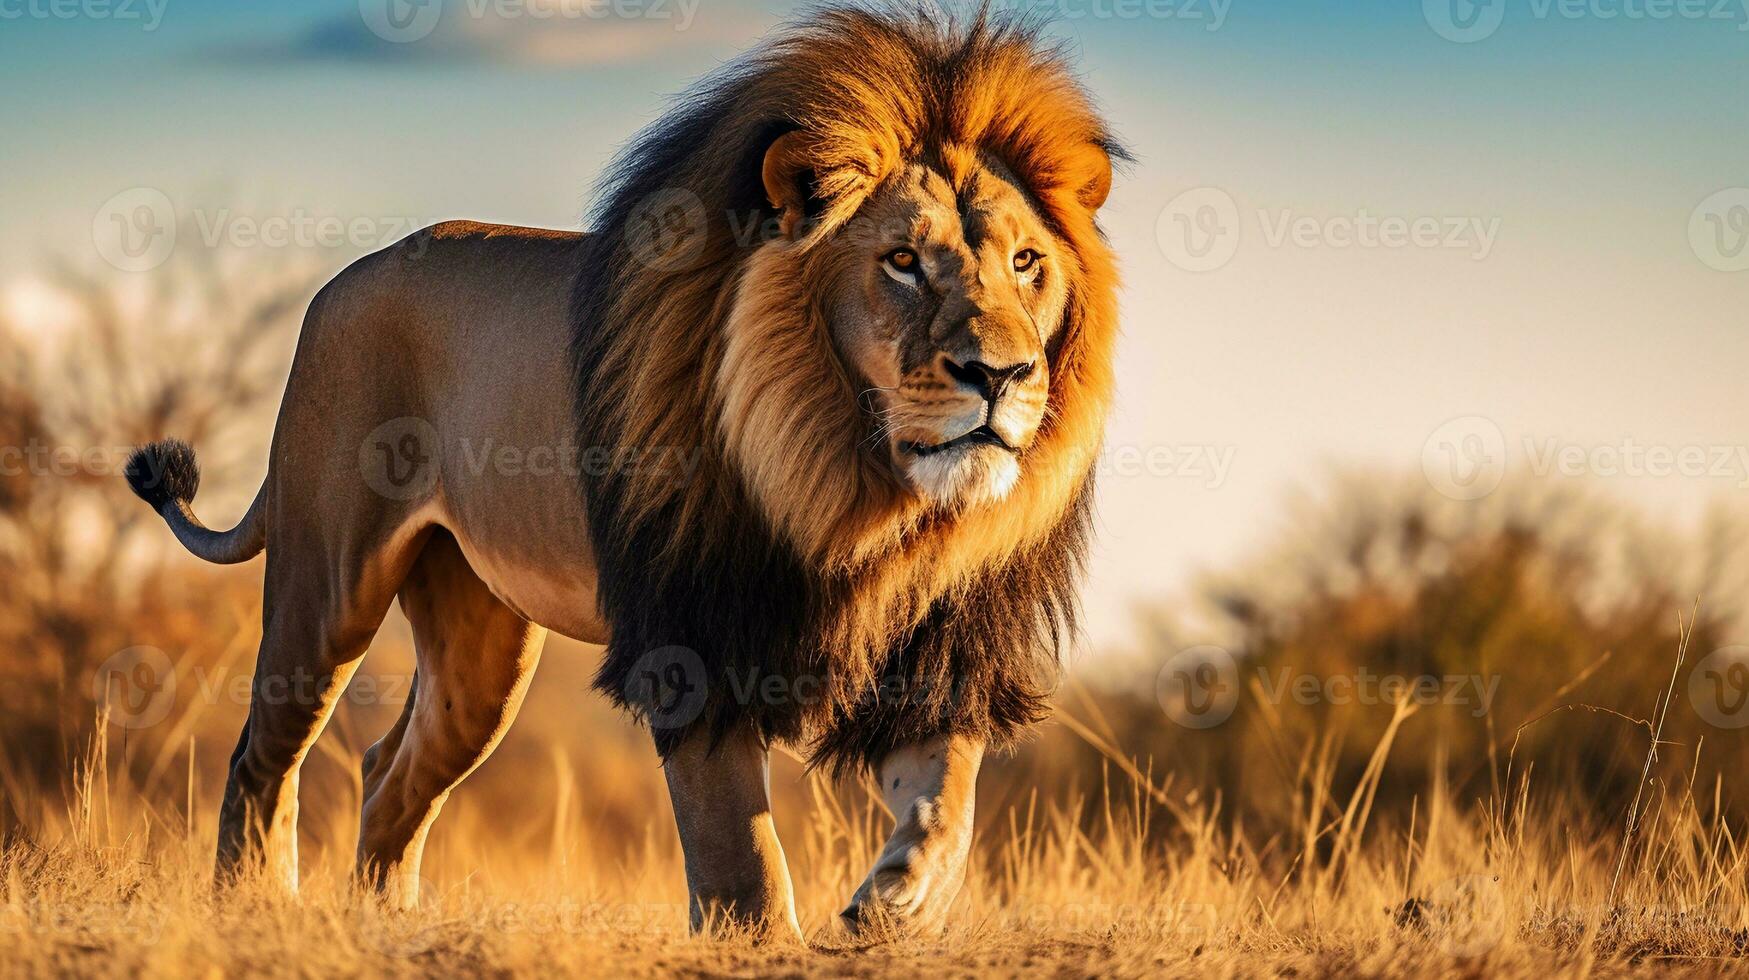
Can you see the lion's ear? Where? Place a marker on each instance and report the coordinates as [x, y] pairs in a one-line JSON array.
[[785, 173], [1093, 166]]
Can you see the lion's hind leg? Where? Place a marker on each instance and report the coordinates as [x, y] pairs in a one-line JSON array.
[[314, 633], [475, 659]]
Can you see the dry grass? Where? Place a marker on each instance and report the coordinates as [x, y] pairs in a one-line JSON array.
[[117, 883]]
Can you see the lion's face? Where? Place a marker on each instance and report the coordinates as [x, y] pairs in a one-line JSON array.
[[942, 301]]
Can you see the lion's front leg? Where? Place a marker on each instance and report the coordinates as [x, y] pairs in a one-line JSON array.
[[930, 787], [735, 870]]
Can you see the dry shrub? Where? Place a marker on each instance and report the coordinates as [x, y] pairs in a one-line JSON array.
[[88, 571], [1539, 599]]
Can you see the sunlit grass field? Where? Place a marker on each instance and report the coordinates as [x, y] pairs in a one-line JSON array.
[[1127, 876]]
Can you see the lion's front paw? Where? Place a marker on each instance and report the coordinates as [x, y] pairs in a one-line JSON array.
[[910, 889], [929, 787]]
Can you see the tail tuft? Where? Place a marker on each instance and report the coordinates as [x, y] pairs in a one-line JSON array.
[[164, 471]]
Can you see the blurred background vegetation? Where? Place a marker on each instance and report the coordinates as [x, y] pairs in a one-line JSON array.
[[1561, 595]]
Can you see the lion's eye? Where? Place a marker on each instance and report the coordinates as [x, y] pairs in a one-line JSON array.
[[1025, 259], [902, 264]]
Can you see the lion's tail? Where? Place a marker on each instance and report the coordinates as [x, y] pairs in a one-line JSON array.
[[165, 475]]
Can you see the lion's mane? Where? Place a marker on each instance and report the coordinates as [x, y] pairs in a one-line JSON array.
[[827, 605]]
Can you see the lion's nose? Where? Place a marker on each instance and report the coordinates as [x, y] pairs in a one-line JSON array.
[[988, 381]]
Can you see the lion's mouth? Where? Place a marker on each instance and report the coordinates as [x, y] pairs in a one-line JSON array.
[[983, 435]]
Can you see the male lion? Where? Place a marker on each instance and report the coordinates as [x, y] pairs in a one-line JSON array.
[[806, 434]]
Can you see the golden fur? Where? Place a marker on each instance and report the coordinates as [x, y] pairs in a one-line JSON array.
[[731, 350], [900, 605]]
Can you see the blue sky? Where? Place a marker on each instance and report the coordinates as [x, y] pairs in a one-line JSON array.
[[1576, 147]]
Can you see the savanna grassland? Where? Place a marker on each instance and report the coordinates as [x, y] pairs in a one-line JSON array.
[[1417, 736], [1126, 877]]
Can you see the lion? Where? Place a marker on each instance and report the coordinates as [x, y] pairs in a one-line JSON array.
[[803, 432]]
